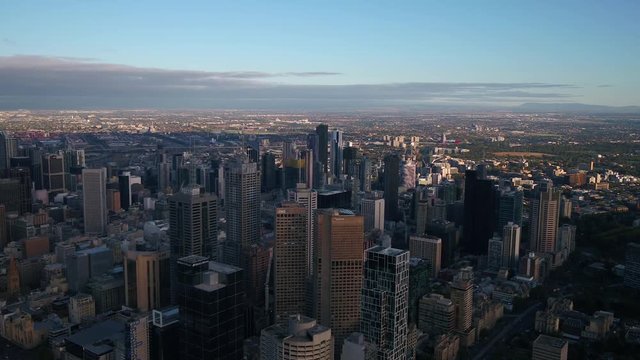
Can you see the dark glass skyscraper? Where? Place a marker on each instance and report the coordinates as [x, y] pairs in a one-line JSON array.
[[323, 143], [479, 213], [268, 172], [212, 307], [510, 208], [391, 183]]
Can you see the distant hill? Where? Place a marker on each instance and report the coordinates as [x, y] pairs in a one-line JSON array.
[[576, 107]]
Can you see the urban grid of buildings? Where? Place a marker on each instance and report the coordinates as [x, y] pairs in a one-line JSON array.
[[317, 244]]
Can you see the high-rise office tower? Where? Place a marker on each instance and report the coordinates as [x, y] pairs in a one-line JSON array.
[[322, 131], [289, 151], [269, 176], [302, 338], [494, 253], [428, 248], [164, 332], [290, 261], [510, 246], [94, 196], [351, 157], [8, 149], [309, 199], [337, 146], [437, 314], [338, 258], [510, 207], [385, 301], [632, 266], [309, 161], [15, 192], [212, 307], [242, 204], [479, 213], [391, 184], [146, 278], [365, 174], [125, 181], [35, 156], [113, 200], [373, 212], [193, 226], [550, 348], [545, 214], [462, 297], [53, 175]]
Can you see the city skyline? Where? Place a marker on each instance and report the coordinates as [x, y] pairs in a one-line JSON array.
[[328, 56]]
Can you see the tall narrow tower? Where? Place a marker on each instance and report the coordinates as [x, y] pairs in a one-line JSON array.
[[94, 195], [391, 184], [290, 261], [309, 199], [510, 246], [242, 204], [545, 214], [462, 297], [385, 301], [322, 131]]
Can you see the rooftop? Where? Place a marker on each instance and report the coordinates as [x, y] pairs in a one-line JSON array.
[[550, 341]]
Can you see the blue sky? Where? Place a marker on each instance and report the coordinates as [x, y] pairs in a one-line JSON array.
[[591, 48]]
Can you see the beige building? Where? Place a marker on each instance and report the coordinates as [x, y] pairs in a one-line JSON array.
[[550, 348], [290, 261], [462, 297], [21, 329], [146, 278], [428, 248], [338, 269], [446, 347], [81, 308], [302, 338]]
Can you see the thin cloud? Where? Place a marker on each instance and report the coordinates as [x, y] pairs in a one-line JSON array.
[[35, 80]]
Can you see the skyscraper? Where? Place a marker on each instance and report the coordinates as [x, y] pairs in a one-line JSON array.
[[338, 266], [125, 180], [510, 207], [494, 253], [428, 248], [193, 226], [290, 261], [309, 199], [391, 184], [337, 147], [322, 131], [53, 174], [212, 307], [385, 301], [269, 176], [242, 204], [94, 195], [373, 212], [462, 297], [510, 246], [8, 149], [479, 213], [146, 278], [302, 338], [365, 174], [545, 214]]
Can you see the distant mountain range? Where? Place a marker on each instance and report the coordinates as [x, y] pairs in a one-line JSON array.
[[575, 107]]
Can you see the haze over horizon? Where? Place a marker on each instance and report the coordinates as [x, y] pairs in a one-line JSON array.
[[417, 55]]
